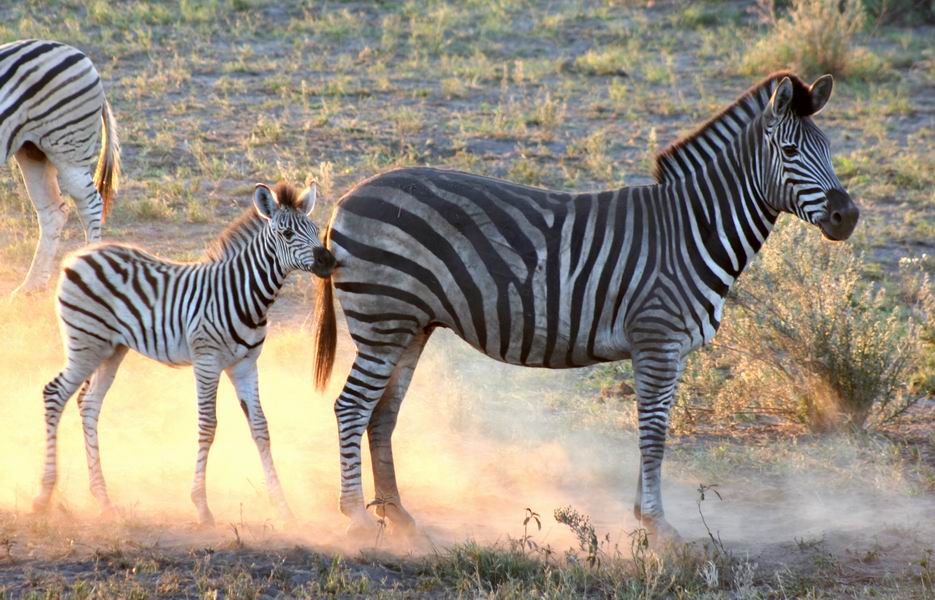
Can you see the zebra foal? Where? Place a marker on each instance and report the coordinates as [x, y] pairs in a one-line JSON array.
[[53, 116], [553, 279], [209, 314]]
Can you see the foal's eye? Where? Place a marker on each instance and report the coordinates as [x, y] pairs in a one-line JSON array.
[[288, 234], [790, 151]]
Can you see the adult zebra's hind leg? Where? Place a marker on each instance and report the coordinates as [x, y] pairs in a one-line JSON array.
[[90, 400], [244, 377], [370, 374], [657, 372], [40, 177], [78, 183], [380, 433]]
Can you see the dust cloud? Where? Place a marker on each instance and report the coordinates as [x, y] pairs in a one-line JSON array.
[[477, 443]]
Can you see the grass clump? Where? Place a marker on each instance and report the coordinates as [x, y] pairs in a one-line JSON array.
[[814, 38]]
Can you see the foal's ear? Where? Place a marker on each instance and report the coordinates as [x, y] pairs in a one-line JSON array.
[[307, 199], [265, 201], [780, 103], [820, 91]]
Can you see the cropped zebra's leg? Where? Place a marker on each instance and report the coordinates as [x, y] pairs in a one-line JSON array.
[[55, 395], [657, 370], [39, 176], [78, 183], [353, 408], [244, 377], [90, 401], [206, 381], [380, 433]]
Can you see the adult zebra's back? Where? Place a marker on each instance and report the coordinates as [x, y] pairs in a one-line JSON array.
[[553, 279], [52, 116]]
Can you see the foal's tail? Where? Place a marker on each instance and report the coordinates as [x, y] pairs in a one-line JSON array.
[[326, 337]]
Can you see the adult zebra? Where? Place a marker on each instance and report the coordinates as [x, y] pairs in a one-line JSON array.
[[552, 279], [52, 113], [209, 314]]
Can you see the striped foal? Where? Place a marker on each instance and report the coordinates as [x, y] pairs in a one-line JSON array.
[[209, 314], [52, 116], [552, 279]]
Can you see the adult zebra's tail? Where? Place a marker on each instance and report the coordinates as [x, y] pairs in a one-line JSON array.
[[108, 163], [326, 336]]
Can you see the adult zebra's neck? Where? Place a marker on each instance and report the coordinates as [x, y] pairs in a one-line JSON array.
[[256, 275], [725, 208]]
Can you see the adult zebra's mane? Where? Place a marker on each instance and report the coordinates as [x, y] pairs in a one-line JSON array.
[[248, 225], [694, 150]]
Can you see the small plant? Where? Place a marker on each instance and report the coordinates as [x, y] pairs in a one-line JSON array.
[[583, 529]]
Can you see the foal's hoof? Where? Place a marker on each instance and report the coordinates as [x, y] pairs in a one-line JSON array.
[[40, 506], [659, 532]]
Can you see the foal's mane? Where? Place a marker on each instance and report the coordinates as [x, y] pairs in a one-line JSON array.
[[248, 225], [689, 151]]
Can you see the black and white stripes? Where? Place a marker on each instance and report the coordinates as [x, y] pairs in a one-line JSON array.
[[210, 314], [552, 279], [52, 114]]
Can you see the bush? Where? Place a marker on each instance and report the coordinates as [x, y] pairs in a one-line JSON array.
[[814, 38], [807, 337]]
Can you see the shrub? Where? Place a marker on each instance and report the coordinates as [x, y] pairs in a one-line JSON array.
[[810, 338], [814, 38]]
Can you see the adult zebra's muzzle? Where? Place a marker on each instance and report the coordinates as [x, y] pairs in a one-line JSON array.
[[843, 214], [324, 262]]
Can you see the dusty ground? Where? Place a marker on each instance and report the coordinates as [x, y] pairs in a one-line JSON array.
[[211, 97]]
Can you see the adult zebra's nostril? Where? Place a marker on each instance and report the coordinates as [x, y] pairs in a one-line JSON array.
[[836, 218]]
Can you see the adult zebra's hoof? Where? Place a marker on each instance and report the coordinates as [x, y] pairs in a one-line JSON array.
[[363, 527], [659, 532], [205, 519]]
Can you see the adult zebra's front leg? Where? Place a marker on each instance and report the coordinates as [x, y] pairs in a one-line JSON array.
[[243, 375], [365, 386], [657, 369]]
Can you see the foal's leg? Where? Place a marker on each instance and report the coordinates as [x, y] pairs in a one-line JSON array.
[[78, 183], [380, 432], [39, 175], [244, 377], [89, 404], [365, 385], [56, 393], [206, 380]]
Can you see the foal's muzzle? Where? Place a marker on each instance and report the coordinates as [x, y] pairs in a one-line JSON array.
[[324, 262], [843, 214]]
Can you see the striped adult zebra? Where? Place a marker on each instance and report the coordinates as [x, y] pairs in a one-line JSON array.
[[52, 113], [209, 314], [552, 279]]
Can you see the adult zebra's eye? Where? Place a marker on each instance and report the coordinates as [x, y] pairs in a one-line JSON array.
[[790, 151], [288, 234]]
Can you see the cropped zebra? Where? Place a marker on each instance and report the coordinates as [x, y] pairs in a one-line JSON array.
[[552, 279], [210, 314], [52, 116]]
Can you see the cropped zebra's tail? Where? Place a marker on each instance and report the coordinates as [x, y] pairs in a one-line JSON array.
[[326, 337], [107, 174]]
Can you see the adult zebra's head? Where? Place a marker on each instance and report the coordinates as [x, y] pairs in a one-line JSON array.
[[799, 177], [294, 235]]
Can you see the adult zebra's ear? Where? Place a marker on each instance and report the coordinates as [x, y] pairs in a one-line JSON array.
[[265, 201], [780, 103], [306, 202], [820, 91]]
